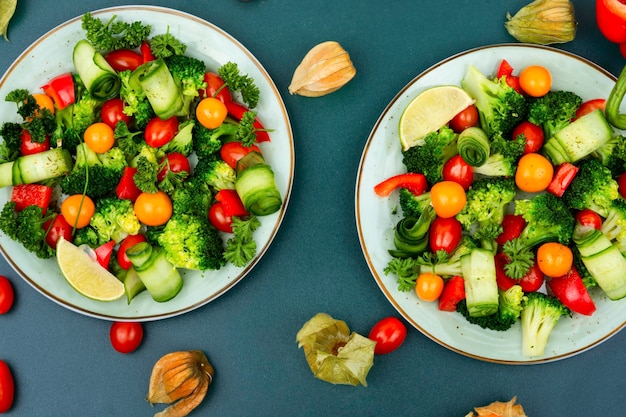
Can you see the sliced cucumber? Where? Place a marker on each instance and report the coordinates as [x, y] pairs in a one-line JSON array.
[[37, 167], [99, 77], [481, 289], [160, 88], [161, 278], [256, 186]]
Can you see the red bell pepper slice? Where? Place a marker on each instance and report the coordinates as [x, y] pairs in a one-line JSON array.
[[504, 69], [611, 19], [412, 181], [24, 195], [571, 291], [29, 147], [231, 203], [237, 110], [146, 52], [215, 87], [127, 189], [61, 90], [563, 177], [453, 292], [512, 226], [104, 252]]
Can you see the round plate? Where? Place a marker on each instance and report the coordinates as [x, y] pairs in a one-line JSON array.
[[52, 55], [375, 219]]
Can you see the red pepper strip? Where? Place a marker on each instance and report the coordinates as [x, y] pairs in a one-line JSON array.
[[611, 19], [236, 110], [414, 182], [61, 90], [127, 189], [104, 252], [146, 52], [215, 87], [24, 195], [563, 177], [231, 203], [453, 292], [504, 69], [571, 291]]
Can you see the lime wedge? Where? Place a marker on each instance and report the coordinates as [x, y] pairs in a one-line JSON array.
[[86, 275], [430, 111]]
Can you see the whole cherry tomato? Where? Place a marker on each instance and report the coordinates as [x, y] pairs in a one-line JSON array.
[[466, 118], [127, 243], [589, 106], [126, 336], [211, 112], [554, 259], [7, 387], [534, 173], [7, 295], [219, 219], [621, 181], [78, 210], [535, 80], [113, 112], [444, 234], [99, 137], [56, 228], [428, 286], [159, 132], [457, 170], [124, 59], [153, 209], [448, 198], [589, 218], [389, 333], [532, 133]]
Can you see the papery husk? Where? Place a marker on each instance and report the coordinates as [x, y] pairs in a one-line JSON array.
[[181, 378], [500, 409], [7, 10], [543, 22], [324, 69]]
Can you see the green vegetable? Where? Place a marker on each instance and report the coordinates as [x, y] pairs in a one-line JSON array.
[[114, 219], [161, 278], [114, 34], [592, 188], [132, 282], [99, 77], [614, 225], [554, 111], [444, 264], [241, 248], [612, 155], [430, 157], [183, 141], [540, 313], [614, 102], [26, 227], [160, 88], [11, 132], [257, 188], [413, 205], [509, 310], [473, 146], [136, 102], [411, 234], [37, 121], [241, 83], [502, 161], [216, 173], [481, 289], [165, 45], [188, 73], [42, 166]]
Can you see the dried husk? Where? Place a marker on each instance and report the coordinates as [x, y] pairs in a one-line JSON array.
[[543, 22], [325, 68], [500, 409], [182, 378], [7, 10]]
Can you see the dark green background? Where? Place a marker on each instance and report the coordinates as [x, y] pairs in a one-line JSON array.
[[63, 362]]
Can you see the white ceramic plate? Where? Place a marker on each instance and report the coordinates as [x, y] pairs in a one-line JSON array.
[[375, 222], [52, 55]]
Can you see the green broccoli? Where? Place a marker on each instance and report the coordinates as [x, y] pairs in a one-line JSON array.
[[127, 140], [188, 73], [500, 107], [592, 188], [95, 175], [241, 248], [114, 219], [503, 157], [553, 111], [86, 236], [192, 242], [136, 102], [413, 205], [540, 314], [26, 227], [148, 164], [192, 197], [613, 155], [183, 141], [509, 310], [430, 157], [11, 132], [547, 220], [216, 173]]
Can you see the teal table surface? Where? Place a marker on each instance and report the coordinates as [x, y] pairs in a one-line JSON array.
[[63, 363]]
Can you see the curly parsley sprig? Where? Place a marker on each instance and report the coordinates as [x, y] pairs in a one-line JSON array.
[[114, 34], [238, 82]]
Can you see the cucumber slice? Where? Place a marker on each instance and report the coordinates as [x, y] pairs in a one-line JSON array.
[[37, 167], [99, 77], [160, 277], [481, 289], [160, 88]]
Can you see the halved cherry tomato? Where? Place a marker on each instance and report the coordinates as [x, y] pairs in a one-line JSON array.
[[589, 106], [534, 173], [571, 291], [457, 170], [389, 334], [589, 218], [231, 152], [512, 226], [29, 147], [211, 112], [159, 132], [554, 259], [219, 219], [428, 286], [414, 182], [535, 80], [56, 228], [533, 135], [24, 195], [448, 198], [466, 118], [444, 234], [127, 243], [7, 387], [113, 112], [104, 252], [124, 59], [215, 87], [153, 209], [99, 137], [236, 110], [78, 210], [562, 178], [532, 281], [173, 162], [61, 90], [126, 336], [7, 295], [453, 292], [231, 202]]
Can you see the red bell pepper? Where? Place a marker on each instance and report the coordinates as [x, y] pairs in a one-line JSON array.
[[563, 177], [512, 226], [412, 181], [29, 147], [571, 291], [231, 203], [61, 90], [506, 70], [146, 52], [104, 252], [24, 195], [237, 110], [611, 19], [127, 189], [453, 292], [215, 87]]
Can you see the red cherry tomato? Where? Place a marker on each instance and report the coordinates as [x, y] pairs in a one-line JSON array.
[[126, 336], [589, 106], [29, 147], [176, 162], [124, 59], [127, 243], [7, 295], [466, 118], [219, 219], [459, 171], [621, 181], [231, 152], [444, 234], [512, 226], [215, 88], [159, 132], [533, 135], [7, 387], [113, 112], [389, 333], [532, 281], [56, 228], [589, 218]]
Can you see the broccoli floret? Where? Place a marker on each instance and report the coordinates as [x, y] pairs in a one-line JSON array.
[[503, 157], [500, 107], [128, 141], [509, 309], [592, 188], [553, 111], [216, 173], [183, 141], [10, 148], [39, 122], [613, 155], [192, 197], [188, 72], [207, 142], [429, 158], [95, 175], [540, 314], [548, 219], [241, 248], [86, 236], [192, 242], [114, 219], [26, 227], [413, 205], [148, 164], [486, 204], [136, 103]]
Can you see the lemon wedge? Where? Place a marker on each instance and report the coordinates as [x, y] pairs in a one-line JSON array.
[[86, 275], [429, 111]]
